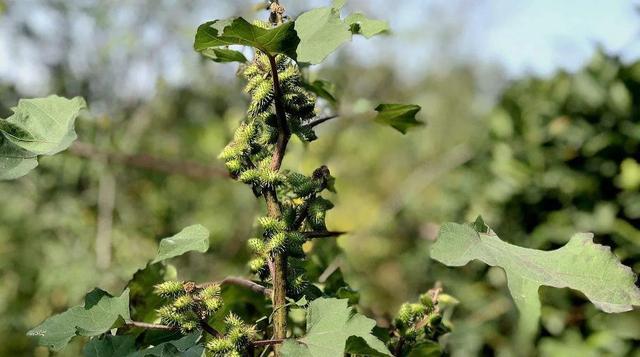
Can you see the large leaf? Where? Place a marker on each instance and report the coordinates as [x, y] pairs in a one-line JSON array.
[[330, 323], [401, 117], [237, 31], [192, 238], [14, 161], [43, 126], [321, 32], [581, 265], [100, 313]]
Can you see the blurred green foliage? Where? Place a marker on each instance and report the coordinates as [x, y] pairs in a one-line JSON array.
[[560, 158]]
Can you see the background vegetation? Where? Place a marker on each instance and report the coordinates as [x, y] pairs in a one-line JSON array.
[[540, 159]]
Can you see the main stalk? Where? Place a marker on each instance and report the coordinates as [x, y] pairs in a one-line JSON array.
[[279, 260]]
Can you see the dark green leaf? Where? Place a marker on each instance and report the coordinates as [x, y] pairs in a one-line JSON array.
[[224, 55], [144, 305], [323, 89], [100, 313], [187, 346], [110, 346], [402, 117], [237, 31]]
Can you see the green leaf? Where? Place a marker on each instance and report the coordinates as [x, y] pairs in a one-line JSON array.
[[100, 313], [581, 265], [124, 346], [187, 346], [330, 323], [43, 126], [401, 117], [360, 24], [192, 238], [110, 346], [323, 89], [143, 305], [338, 4], [237, 31], [14, 161], [224, 55], [321, 31]]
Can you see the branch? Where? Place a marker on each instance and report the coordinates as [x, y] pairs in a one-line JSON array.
[[148, 326], [242, 282], [148, 162], [325, 234], [319, 121], [261, 343], [210, 330]]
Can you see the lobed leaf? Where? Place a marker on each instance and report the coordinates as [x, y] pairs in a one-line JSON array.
[[401, 117], [330, 323], [581, 265], [192, 238], [100, 313], [322, 31]]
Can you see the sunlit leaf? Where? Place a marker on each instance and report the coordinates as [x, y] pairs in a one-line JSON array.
[[360, 24], [401, 117], [330, 323], [43, 126], [192, 238], [321, 32], [100, 313], [581, 265]]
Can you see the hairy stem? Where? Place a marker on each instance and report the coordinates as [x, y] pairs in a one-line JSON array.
[[279, 261]]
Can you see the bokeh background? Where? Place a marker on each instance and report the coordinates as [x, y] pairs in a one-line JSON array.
[[533, 121]]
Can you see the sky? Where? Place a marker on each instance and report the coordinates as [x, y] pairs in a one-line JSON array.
[[521, 36]]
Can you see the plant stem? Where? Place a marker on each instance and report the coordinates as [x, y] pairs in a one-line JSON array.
[[148, 326], [242, 282], [279, 263]]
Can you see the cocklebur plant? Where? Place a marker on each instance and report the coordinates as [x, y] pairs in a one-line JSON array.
[[158, 314]]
